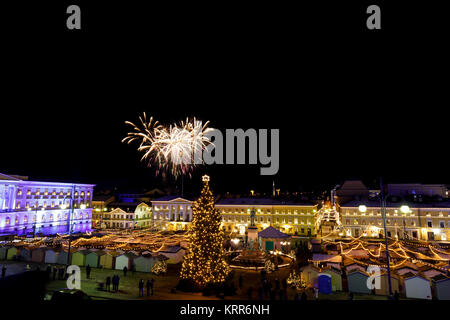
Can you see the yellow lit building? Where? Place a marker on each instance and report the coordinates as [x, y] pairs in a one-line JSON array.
[[139, 216], [417, 221], [288, 217], [172, 213], [100, 207], [175, 213]]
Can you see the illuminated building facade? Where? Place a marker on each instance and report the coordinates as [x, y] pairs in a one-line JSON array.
[[43, 207], [100, 208], [175, 213], [139, 216], [289, 217], [172, 213], [421, 222]]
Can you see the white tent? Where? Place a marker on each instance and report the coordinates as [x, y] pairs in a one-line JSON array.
[[418, 287], [124, 260]]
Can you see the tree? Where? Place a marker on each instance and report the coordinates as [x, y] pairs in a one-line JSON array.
[[204, 262]]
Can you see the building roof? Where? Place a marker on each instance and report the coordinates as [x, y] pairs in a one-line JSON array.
[[170, 249], [103, 197], [127, 207], [377, 204], [439, 277], [273, 233], [24, 180], [9, 177], [411, 275], [170, 198], [320, 257], [355, 271], [261, 201]]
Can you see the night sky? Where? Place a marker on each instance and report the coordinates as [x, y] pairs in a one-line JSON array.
[[348, 105]]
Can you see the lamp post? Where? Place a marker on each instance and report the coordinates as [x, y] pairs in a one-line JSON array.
[[404, 210], [72, 207], [35, 220], [383, 209]]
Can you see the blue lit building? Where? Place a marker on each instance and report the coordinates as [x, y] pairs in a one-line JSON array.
[[43, 207]]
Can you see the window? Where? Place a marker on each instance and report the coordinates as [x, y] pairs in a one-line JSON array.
[[441, 224], [430, 224]]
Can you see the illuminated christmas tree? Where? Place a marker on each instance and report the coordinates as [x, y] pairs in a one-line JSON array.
[[204, 262]]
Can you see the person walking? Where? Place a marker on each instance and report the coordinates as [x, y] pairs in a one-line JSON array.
[[108, 283], [148, 285], [114, 281], [55, 270], [88, 271], [141, 288], [304, 297], [152, 282], [260, 293], [3, 271], [316, 293], [125, 269], [60, 273], [249, 293], [117, 283], [396, 296], [284, 283]]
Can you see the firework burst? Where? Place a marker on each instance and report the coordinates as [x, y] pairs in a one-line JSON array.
[[170, 148]]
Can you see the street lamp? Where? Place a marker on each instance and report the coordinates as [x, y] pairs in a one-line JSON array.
[[64, 206], [35, 220], [404, 209]]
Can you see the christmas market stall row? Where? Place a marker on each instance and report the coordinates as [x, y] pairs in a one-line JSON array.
[[417, 271]]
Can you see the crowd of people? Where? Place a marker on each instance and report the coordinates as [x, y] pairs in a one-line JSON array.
[[272, 290]]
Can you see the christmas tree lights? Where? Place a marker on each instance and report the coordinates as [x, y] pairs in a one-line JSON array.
[[204, 262]]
